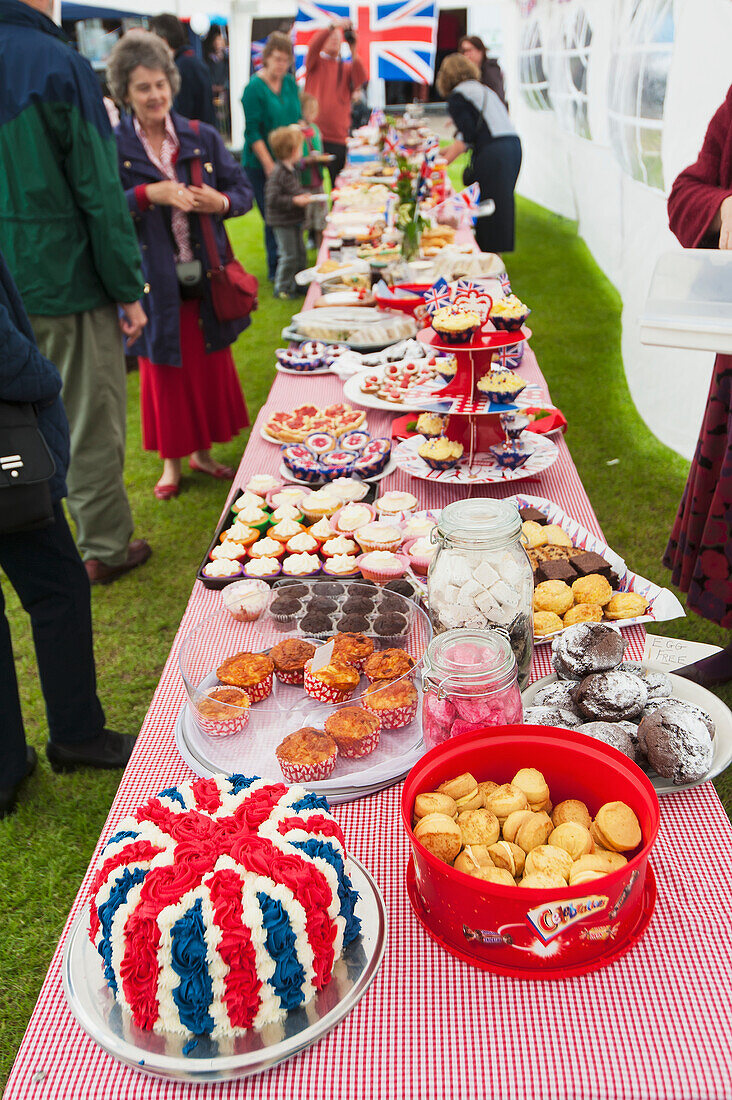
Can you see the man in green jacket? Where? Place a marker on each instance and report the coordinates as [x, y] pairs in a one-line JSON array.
[[69, 241]]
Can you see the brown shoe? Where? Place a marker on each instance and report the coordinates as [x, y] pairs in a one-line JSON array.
[[138, 551]]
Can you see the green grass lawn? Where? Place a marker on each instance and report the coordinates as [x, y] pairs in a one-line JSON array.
[[46, 846]]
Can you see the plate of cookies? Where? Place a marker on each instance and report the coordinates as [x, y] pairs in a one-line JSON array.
[[579, 578], [679, 733]]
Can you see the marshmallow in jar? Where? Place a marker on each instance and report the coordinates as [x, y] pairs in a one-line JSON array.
[[480, 576], [468, 682]]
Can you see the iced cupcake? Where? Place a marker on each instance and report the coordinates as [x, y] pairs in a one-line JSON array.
[[382, 566], [348, 489], [501, 386], [261, 484], [509, 313], [321, 503], [341, 565], [417, 527], [285, 530], [301, 565], [286, 511], [440, 454], [245, 600], [379, 536], [303, 543], [222, 568], [262, 567], [430, 425], [351, 517], [253, 516], [455, 326], [228, 551], [266, 548], [395, 502], [339, 544], [420, 553], [290, 494], [322, 530], [247, 500], [239, 532]]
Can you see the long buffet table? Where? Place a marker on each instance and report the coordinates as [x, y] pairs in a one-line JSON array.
[[654, 1024]]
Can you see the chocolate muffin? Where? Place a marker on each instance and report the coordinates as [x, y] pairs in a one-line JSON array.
[[285, 607], [558, 694], [360, 605], [294, 588], [389, 625], [586, 648], [677, 744], [322, 604], [610, 696], [611, 733], [402, 586], [352, 624], [390, 604], [551, 716], [329, 588], [315, 623], [361, 583]]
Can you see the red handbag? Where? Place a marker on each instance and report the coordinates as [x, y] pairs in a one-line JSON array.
[[233, 289]]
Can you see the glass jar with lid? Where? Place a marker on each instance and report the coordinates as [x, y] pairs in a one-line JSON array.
[[469, 681], [480, 576]]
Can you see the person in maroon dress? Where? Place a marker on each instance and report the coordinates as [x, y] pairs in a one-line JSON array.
[[699, 551], [190, 394]]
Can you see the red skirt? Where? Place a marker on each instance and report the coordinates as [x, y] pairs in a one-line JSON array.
[[699, 552], [187, 408]]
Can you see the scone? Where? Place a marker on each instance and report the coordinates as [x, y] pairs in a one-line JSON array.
[[556, 535], [626, 605], [592, 589], [546, 622], [583, 613], [553, 596]]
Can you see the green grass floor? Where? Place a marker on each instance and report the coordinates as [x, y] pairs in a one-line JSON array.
[[45, 847]]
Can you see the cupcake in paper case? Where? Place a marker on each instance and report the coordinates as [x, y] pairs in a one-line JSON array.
[[222, 568], [354, 730], [339, 544], [333, 352], [379, 536], [239, 532], [349, 490], [382, 566], [223, 711], [395, 503], [440, 454], [322, 530], [285, 530], [455, 326], [266, 548], [510, 455], [307, 755], [336, 464], [348, 519], [320, 443], [245, 600], [262, 567], [287, 511], [354, 441], [252, 672], [353, 648], [420, 553], [228, 551], [341, 565], [417, 527], [303, 543], [321, 503], [430, 425], [261, 484], [333, 683], [501, 386], [290, 658], [447, 367], [247, 500], [313, 350], [253, 516], [509, 313], [289, 494], [301, 565], [393, 701]]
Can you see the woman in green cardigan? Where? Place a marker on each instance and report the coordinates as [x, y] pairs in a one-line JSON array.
[[271, 99]]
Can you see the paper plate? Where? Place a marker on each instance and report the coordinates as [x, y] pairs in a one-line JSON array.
[[484, 471]]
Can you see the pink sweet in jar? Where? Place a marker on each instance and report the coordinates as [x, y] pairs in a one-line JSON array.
[[469, 683]]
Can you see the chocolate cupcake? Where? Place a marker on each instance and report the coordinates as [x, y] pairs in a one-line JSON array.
[[402, 586], [352, 624], [390, 625], [329, 588], [285, 609], [610, 733], [322, 605], [294, 588], [315, 623], [359, 605], [362, 582], [610, 696], [390, 603]]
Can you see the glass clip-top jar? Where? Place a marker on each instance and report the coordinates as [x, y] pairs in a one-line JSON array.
[[480, 576], [469, 682]]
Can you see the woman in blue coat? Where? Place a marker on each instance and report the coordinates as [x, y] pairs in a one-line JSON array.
[[190, 394]]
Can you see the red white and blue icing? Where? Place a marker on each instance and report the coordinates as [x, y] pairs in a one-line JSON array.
[[221, 905]]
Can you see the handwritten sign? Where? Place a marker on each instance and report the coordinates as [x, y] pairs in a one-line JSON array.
[[667, 654]]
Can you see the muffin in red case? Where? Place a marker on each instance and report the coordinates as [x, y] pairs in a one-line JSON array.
[[307, 755], [251, 671], [333, 683], [354, 730], [394, 702]]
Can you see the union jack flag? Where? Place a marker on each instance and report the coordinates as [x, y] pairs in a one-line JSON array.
[[505, 282], [437, 296], [395, 41], [467, 286], [377, 117], [257, 48]]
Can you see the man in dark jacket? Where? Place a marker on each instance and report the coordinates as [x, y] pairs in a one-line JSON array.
[[46, 571], [69, 242], [195, 98]]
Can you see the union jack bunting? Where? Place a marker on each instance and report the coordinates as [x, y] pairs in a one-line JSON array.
[[395, 41], [437, 296], [257, 48], [377, 117]]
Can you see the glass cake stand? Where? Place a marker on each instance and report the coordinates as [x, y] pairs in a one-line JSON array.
[[94, 1006]]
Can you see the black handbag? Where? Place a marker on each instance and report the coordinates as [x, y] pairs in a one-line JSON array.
[[26, 468]]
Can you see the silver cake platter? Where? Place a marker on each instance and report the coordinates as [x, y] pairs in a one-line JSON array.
[[94, 1006]]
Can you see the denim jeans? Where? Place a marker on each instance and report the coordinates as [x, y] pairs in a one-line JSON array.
[[258, 179], [291, 257]]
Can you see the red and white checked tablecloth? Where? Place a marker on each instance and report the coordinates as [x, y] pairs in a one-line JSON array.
[[657, 1023]]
